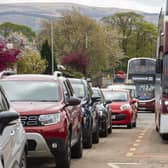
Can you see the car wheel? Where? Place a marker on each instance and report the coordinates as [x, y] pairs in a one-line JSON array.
[[63, 159], [105, 133], [88, 142], [77, 149], [164, 136], [96, 136], [23, 161], [129, 126], [134, 124], [110, 129]]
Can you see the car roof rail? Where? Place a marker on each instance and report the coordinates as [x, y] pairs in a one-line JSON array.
[[6, 73]]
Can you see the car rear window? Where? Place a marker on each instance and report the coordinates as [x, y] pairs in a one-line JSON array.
[[32, 90], [116, 96]]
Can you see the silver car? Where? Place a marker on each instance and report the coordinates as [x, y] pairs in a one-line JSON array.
[[12, 136]]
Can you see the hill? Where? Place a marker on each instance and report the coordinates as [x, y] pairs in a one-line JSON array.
[[32, 14]]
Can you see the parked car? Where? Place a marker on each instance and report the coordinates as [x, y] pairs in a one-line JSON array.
[[104, 113], [13, 146], [50, 114], [91, 130], [124, 110]]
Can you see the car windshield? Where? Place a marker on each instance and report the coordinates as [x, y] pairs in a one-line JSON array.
[[96, 93], [32, 91], [79, 90], [116, 96]]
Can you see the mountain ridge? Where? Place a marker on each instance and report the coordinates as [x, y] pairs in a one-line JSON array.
[[32, 14]]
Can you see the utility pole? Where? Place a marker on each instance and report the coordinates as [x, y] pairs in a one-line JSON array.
[[86, 40], [52, 47]]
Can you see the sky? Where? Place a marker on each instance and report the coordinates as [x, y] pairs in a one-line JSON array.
[[143, 5]]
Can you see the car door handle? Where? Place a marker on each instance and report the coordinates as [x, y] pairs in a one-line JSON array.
[[12, 133]]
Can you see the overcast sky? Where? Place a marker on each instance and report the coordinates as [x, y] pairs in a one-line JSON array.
[[143, 5]]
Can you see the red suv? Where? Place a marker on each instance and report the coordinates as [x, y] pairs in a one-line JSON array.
[[50, 114]]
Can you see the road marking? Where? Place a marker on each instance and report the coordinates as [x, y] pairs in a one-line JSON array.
[[115, 165], [136, 144], [138, 140], [129, 154], [140, 137], [132, 149]]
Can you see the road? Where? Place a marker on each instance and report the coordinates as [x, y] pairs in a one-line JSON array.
[[140, 147]]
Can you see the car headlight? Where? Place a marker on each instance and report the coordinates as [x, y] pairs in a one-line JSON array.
[[125, 107], [166, 103], [50, 118]]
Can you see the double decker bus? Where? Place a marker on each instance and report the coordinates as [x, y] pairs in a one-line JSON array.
[[161, 84], [141, 71]]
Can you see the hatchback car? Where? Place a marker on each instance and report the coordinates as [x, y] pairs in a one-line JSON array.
[[104, 113], [91, 130], [13, 146], [50, 114], [124, 110]]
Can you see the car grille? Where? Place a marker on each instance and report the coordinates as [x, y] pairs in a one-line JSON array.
[[30, 120]]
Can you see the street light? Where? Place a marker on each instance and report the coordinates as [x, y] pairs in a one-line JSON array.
[[52, 48]]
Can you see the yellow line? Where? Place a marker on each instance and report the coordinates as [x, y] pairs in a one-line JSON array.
[[132, 149], [136, 144], [129, 154], [138, 140]]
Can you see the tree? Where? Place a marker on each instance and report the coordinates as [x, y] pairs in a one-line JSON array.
[[46, 54], [125, 23], [78, 61], [138, 37], [8, 28], [31, 63], [7, 56], [75, 32]]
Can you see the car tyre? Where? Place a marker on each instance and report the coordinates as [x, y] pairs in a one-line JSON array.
[[164, 136], [134, 125], [105, 133], [63, 159], [110, 129], [129, 126], [23, 161], [77, 149], [88, 142], [96, 136]]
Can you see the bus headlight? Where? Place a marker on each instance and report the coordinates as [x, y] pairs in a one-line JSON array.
[[125, 107]]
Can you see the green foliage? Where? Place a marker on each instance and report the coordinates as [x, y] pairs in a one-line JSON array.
[[7, 28], [31, 63], [138, 36], [46, 54], [75, 32]]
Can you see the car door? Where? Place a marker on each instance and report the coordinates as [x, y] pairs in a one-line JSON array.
[[6, 138], [12, 139], [72, 110]]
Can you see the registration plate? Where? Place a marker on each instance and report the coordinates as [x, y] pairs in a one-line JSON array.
[[113, 117]]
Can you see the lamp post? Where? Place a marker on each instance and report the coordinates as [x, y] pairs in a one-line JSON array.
[[52, 48]]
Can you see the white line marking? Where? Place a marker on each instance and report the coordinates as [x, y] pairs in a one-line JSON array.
[[114, 165]]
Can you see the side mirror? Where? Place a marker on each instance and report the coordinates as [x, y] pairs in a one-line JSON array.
[[159, 66], [6, 118], [96, 99], [133, 101], [108, 101], [73, 101]]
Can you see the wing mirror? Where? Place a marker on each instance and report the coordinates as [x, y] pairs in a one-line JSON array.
[[73, 101], [6, 118]]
